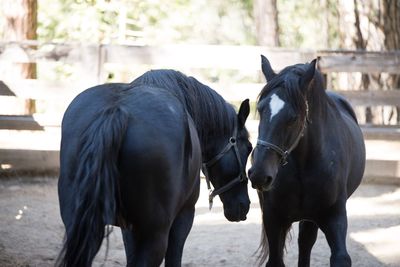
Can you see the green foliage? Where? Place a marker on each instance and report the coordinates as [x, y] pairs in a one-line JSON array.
[[308, 24], [153, 21], [75, 20], [302, 23]]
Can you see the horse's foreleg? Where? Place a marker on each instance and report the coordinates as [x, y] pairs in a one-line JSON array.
[[276, 231], [308, 232], [334, 226], [177, 237]]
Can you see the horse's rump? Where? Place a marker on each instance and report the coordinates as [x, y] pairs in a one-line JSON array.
[[88, 184]]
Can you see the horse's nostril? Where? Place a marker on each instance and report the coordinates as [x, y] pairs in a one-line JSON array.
[[262, 183], [268, 180]]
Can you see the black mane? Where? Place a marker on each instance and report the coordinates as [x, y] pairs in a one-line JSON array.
[[208, 109], [289, 80]]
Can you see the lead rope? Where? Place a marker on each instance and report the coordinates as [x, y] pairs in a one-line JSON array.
[[210, 191]]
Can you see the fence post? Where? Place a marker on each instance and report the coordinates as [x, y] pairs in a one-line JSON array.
[[90, 65]]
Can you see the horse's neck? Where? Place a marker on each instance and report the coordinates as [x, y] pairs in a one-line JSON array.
[[317, 127], [209, 142], [212, 141]]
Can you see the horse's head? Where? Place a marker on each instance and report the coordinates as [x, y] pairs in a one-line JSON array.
[[283, 110], [225, 167]]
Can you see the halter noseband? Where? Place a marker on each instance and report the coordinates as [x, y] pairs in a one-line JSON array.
[[285, 153], [237, 180]]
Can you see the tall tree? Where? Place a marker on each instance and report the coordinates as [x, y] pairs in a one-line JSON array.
[[390, 25], [361, 44], [20, 25], [372, 25], [266, 19]]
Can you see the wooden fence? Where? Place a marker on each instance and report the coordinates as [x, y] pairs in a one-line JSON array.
[[92, 65]]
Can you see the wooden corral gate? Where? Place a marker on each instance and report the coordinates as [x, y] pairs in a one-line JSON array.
[[29, 142]]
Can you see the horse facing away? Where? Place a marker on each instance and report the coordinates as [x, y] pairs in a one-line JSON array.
[[131, 156], [309, 158]]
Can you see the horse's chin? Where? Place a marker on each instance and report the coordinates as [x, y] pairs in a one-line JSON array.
[[237, 215], [264, 188], [235, 218]]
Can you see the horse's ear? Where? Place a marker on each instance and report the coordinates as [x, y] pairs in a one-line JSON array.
[[243, 113], [266, 69], [308, 75]]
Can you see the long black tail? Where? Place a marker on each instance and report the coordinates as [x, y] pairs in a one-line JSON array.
[[97, 187]]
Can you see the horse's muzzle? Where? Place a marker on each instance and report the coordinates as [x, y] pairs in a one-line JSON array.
[[260, 181], [237, 213]]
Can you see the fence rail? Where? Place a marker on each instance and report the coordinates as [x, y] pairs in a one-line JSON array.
[[359, 61]]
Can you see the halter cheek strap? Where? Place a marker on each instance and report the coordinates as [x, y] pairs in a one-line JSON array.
[[238, 179], [285, 153]]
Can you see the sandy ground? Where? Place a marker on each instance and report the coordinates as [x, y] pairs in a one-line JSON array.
[[31, 230]]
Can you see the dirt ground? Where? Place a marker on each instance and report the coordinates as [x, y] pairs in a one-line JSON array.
[[31, 231]]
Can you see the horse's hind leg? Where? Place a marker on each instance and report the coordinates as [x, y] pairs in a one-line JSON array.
[[177, 237], [308, 232], [334, 226], [129, 244], [146, 248]]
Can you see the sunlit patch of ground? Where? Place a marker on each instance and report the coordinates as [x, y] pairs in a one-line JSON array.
[[383, 243], [382, 239]]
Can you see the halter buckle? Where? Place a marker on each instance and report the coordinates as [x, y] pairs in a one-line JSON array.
[[284, 160]]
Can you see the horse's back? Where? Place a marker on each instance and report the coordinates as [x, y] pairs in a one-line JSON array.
[[343, 104]]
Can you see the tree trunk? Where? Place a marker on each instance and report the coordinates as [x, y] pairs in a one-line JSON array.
[[20, 25], [266, 18], [391, 30], [361, 44]]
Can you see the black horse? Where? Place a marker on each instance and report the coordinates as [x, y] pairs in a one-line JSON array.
[[309, 159], [131, 156]]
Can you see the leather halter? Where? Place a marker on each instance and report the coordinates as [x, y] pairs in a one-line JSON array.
[[285, 153], [237, 180]]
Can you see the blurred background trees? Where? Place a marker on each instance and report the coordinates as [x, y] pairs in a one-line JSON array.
[[303, 24], [312, 24], [20, 23]]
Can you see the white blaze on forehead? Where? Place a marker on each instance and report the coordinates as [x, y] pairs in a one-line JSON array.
[[275, 105]]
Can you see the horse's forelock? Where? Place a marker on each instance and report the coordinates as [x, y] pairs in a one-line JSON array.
[[288, 82]]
